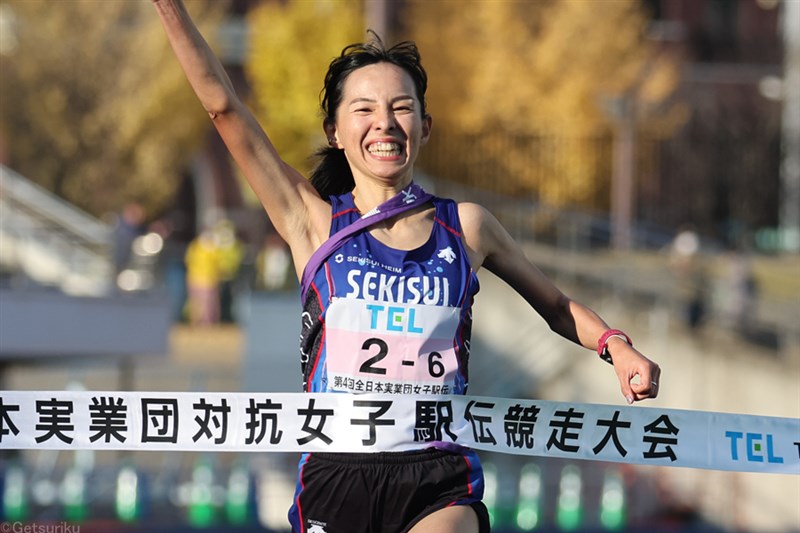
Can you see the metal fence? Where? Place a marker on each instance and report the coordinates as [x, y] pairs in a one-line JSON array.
[[718, 174]]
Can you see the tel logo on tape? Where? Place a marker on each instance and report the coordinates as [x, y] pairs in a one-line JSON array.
[[753, 447]]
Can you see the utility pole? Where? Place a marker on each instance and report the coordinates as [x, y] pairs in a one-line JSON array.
[[376, 16], [790, 165], [622, 180]]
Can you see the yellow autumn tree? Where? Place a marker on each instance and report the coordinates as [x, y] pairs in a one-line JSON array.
[[94, 106], [291, 45], [520, 90]]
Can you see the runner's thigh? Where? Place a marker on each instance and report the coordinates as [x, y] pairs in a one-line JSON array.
[[454, 519]]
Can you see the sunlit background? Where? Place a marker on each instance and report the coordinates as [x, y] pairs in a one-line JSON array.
[[646, 153]]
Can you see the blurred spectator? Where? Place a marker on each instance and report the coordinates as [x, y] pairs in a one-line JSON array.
[[273, 264], [203, 277], [172, 266], [690, 270], [740, 292], [128, 226], [230, 253], [213, 260]]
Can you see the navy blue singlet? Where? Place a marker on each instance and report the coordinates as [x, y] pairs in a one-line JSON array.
[[382, 320]]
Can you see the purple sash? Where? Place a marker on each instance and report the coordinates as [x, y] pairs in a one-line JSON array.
[[408, 198]]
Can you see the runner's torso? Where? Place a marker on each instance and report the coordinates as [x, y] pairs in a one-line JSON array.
[[382, 320]]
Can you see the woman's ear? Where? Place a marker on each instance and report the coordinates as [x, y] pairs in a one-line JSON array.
[[427, 125], [330, 133]]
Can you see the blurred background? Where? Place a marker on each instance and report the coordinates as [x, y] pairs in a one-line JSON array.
[[646, 153]]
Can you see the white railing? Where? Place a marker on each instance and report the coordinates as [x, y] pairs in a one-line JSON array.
[[50, 242]]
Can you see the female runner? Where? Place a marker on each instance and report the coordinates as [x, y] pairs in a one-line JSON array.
[[387, 306]]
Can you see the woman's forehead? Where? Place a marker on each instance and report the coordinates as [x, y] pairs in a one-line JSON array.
[[378, 80]]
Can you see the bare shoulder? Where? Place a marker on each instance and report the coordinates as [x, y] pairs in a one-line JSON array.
[[473, 216], [484, 235], [475, 221]]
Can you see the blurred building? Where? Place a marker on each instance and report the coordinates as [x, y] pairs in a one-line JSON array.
[[722, 170], [720, 166]]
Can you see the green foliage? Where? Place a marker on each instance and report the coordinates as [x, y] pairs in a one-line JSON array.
[[94, 106], [291, 45]]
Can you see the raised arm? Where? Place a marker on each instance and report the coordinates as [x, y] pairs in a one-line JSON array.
[[299, 215], [491, 246]]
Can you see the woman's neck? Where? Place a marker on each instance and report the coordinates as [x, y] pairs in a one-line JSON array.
[[369, 195]]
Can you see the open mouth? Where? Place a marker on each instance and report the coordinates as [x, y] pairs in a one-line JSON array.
[[385, 149]]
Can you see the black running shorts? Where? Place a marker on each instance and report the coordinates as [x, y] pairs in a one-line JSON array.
[[383, 492]]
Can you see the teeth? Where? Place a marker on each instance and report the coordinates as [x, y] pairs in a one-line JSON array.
[[385, 149]]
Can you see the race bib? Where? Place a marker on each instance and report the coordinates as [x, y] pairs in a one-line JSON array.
[[376, 346]]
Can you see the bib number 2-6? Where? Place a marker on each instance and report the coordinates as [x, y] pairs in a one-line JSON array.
[[436, 368]]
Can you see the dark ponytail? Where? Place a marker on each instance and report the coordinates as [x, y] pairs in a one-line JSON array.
[[332, 174]]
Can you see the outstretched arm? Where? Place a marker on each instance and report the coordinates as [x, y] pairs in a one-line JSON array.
[[300, 216], [490, 245]]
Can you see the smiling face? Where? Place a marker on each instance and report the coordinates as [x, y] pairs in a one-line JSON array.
[[379, 124]]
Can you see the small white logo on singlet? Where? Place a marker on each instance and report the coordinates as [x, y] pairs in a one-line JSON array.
[[316, 527], [408, 196], [447, 254]]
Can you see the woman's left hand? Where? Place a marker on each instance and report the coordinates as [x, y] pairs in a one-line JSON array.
[[639, 377]]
